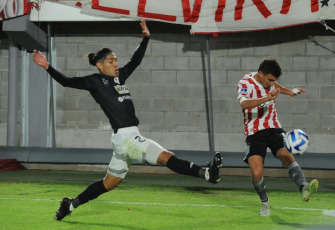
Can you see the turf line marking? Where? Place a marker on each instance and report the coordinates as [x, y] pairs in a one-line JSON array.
[[28, 199], [329, 212], [325, 211]]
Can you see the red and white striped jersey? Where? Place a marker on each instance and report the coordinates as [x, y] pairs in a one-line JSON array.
[[264, 116]]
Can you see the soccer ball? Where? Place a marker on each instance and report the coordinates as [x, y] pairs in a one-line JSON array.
[[296, 142]]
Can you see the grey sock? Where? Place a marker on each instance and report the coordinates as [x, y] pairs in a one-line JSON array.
[[297, 175], [260, 189]]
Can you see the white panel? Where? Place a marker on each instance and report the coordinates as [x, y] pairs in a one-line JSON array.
[[51, 12]]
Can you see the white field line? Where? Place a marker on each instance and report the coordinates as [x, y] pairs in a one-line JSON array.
[[325, 211]]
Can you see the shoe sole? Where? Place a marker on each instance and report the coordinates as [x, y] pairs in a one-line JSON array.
[[217, 163], [218, 160]]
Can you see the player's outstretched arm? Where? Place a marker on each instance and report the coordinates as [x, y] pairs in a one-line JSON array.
[[290, 92], [40, 59], [76, 82], [145, 29]]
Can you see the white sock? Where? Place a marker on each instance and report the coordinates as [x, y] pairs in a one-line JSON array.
[[207, 174], [71, 207]]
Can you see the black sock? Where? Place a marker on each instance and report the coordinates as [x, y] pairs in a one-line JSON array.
[[91, 192], [185, 167]]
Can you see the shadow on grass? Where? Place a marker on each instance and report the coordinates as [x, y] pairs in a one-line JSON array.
[[110, 226], [207, 190], [304, 226], [281, 222]]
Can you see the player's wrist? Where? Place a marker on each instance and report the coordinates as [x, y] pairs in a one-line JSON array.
[[268, 98], [46, 67], [146, 33]]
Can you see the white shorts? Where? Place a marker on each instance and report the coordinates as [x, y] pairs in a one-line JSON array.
[[128, 144]]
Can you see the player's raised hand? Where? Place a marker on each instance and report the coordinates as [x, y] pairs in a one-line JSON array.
[[145, 29], [40, 59], [297, 91]]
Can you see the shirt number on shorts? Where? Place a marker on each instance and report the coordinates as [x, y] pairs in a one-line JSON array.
[[140, 139]]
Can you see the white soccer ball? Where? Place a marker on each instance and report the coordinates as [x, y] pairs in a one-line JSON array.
[[296, 142]]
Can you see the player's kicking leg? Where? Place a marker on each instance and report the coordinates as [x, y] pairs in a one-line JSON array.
[[297, 175], [184, 167]]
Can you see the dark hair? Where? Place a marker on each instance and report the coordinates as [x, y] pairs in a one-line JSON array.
[[269, 65], [100, 55]]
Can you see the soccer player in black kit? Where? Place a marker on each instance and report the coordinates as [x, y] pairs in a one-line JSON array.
[[109, 90]]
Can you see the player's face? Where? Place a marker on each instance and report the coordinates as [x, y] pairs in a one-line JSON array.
[[109, 66], [267, 80]]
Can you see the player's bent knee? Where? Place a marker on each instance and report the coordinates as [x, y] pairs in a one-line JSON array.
[[257, 176], [285, 157], [110, 186], [111, 182], [164, 157]]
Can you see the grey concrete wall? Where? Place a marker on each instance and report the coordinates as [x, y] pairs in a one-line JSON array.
[[3, 87], [168, 88]]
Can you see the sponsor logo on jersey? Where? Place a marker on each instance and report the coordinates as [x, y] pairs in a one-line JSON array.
[[266, 104], [127, 97], [243, 91], [121, 89]]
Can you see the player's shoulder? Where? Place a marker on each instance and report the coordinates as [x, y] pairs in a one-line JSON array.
[[247, 77], [96, 80], [93, 77]]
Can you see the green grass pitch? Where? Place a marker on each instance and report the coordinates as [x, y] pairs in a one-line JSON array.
[[29, 200]]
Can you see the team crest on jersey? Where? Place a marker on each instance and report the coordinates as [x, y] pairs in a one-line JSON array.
[[105, 81], [116, 80], [121, 89]]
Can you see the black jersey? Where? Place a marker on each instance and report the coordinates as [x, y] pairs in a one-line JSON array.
[[110, 93]]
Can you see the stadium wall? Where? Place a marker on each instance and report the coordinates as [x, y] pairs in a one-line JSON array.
[[168, 88]]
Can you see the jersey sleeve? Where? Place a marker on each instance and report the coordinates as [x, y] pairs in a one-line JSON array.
[[136, 59], [243, 90], [72, 82]]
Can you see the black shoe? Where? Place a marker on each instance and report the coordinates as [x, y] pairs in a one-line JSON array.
[[64, 208], [214, 169]]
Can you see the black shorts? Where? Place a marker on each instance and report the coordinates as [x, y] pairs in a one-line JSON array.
[[258, 143]]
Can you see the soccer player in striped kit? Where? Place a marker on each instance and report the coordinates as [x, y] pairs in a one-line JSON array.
[[257, 92]]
